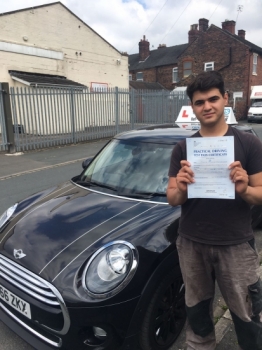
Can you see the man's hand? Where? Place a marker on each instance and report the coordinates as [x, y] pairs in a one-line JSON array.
[[239, 176], [177, 186], [185, 176]]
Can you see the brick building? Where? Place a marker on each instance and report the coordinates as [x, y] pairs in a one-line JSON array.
[[155, 66], [221, 49], [208, 48]]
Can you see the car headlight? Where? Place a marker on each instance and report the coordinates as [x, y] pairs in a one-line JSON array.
[[7, 214], [110, 269]]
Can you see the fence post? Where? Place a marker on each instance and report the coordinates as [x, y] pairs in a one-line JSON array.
[[117, 110], [73, 114], [8, 118], [132, 107]]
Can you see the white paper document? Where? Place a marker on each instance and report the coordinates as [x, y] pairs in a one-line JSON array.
[[209, 158]]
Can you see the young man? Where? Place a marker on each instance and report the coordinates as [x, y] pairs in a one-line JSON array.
[[215, 239]]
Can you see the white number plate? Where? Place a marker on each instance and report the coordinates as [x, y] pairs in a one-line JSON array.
[[16, 302]]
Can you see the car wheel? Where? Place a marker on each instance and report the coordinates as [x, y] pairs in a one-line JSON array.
[[165, 315]]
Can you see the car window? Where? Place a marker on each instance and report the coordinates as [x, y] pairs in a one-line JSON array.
[[256, 103], [132, 167]]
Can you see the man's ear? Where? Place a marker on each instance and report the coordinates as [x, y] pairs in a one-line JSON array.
[[226, 98]]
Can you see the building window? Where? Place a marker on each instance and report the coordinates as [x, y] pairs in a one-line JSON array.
[[139, 76], [187, 68], [209, 66], [130, 76], [254, 63], [175, 75]]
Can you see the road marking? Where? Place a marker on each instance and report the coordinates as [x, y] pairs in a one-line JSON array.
[[40, 169]]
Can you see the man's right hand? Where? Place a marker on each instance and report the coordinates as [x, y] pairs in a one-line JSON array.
[[185, 176], [177, 186]]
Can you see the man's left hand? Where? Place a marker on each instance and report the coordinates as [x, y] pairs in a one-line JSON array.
[[239, 176]]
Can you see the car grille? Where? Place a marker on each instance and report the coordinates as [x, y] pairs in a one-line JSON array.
[[37, 289], [30, 284]]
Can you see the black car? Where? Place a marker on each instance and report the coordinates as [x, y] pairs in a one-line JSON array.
[[92, 263], [245, 128]]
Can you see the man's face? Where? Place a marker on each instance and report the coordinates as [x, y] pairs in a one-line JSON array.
[[208, 106]]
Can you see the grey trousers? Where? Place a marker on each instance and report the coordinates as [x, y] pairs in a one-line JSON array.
[[236, 269]]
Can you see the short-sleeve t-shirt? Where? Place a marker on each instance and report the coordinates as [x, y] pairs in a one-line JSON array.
[[220, 221]]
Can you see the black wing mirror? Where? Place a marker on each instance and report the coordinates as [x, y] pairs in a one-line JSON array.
[[86, 162]]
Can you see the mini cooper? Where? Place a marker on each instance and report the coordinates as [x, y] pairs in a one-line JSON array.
[[91, 264]]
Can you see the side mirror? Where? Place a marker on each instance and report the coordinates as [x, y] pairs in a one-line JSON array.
[[86, 162]]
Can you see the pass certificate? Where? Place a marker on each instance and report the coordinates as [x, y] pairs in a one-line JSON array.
[[209, 158]]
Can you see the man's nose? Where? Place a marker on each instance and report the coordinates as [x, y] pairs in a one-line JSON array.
[[207, 105]]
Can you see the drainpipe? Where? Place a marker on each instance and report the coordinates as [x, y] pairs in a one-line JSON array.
[[230, 60], [250, 56]]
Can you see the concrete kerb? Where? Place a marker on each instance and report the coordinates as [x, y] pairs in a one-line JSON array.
[[224, 322]]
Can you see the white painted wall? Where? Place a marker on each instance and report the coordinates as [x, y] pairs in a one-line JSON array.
[[51, 40]]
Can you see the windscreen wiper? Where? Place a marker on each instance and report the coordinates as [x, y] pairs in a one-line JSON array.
[[142, 194], [94, 183]]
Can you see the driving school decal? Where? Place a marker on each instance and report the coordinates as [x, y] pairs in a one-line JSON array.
[[186, 115]]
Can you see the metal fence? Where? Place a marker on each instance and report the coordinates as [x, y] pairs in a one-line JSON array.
[[46, 117], [3, 137]]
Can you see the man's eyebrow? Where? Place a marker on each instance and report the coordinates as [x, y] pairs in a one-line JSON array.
[[210, 98]]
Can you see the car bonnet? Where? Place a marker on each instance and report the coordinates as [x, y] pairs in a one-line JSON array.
[[54, 232]]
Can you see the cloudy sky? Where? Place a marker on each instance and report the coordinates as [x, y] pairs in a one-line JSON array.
[[124, 22]]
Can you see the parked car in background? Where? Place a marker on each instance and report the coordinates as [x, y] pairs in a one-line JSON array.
[[255, 109], [92, 263]]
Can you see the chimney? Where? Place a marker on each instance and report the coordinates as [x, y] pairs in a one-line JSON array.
[[161, 46], [203, 24], [241, 33], [143, 49], [229, 26], [193, 33]]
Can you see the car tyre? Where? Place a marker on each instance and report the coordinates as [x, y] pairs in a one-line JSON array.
[[165, 315]]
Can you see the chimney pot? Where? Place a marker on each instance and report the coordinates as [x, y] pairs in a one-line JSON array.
[[229, 26], [203, 24], [241, 33], [193, 33], [143, 49]]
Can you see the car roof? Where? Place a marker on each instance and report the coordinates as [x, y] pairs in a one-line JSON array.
[[165, 133], [245, 128]]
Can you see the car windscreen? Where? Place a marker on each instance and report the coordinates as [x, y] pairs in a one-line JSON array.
[[132, 169], [256, 103]]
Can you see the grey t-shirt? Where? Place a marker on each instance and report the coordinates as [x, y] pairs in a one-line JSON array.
[[220, 221]]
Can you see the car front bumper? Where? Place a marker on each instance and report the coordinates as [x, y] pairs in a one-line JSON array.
[[81, 334], [254, 118]]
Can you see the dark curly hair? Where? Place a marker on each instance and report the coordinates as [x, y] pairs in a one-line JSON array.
[[206, 81]]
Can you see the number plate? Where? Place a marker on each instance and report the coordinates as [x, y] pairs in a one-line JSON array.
[[14, 301]]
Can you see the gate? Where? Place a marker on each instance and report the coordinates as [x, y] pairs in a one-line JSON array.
[[54, 116]]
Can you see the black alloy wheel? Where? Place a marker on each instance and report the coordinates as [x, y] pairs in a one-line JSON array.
[[165, 316]]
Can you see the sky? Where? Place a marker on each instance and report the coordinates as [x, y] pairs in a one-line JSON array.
[[124, 22]]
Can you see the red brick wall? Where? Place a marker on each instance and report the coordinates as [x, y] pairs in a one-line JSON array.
[[162, 75], [214, 46], [149, 75], [165, 76], [256, 79]]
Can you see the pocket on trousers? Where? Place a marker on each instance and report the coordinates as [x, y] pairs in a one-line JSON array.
[[252, 246], [255, 293]]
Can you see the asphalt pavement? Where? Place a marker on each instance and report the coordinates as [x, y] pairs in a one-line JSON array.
[[18, 165]]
